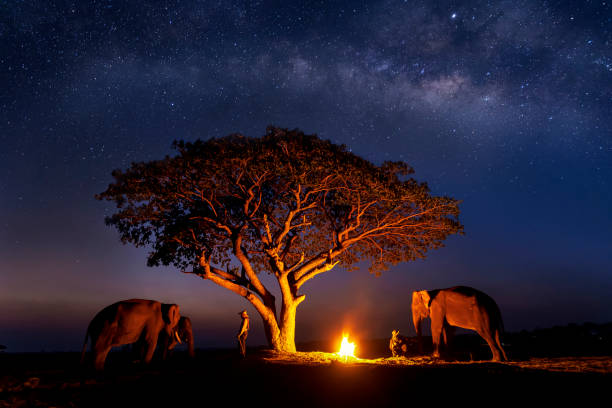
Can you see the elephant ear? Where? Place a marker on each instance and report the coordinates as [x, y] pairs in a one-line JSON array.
[[420, 304], [171, 314], [425, 298]]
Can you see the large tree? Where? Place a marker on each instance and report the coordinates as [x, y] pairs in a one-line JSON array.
[[288, 204]]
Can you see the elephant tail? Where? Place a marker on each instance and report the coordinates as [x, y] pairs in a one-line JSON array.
[[84, 346]]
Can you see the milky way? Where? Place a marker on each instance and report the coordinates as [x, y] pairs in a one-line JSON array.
[[506, 105]]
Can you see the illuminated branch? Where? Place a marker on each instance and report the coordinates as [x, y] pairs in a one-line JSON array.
[[218, 225], [242, 257], [302, 274], [288, 248], [314, 272], [295, 265], [212, 274]]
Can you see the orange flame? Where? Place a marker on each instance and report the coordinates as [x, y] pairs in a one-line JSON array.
[[347, 349]]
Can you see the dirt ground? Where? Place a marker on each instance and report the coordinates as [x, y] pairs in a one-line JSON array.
[[313, 379]]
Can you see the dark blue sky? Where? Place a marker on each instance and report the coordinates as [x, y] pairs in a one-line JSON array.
[[506, 105]]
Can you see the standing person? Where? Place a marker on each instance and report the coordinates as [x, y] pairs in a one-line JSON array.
[[244, 331]]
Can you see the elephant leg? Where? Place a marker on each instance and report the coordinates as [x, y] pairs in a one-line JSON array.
[[167, 343], [447, 336], [139, 349], [498, 342], [436, 331], [151, 341], [444, 338], [100, 348], [100, 358], [491, 342]]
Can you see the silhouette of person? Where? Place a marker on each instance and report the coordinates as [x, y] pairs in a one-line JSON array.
[[244, 331]]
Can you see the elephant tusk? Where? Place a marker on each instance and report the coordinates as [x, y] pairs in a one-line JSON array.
[[178, 338]]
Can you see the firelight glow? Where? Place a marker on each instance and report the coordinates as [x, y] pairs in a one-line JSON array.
[[347, 349]]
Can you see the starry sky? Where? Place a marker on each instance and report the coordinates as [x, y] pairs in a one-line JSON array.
[[505, 105]]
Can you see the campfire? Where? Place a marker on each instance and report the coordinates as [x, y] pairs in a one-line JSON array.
[[347, 349]]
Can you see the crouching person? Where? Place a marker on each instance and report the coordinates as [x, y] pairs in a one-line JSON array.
[[398, 344]]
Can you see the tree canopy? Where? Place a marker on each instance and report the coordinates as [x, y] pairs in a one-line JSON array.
[[289, 204]]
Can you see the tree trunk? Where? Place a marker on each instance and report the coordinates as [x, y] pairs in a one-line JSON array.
[[287, 328], [283, 339], [270, 327], [281, 335]]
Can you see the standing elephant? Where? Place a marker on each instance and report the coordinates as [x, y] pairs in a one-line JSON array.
[[130, 321], [459, 306], [183, 331]]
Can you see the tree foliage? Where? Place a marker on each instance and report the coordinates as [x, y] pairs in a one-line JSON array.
[[289, 204]]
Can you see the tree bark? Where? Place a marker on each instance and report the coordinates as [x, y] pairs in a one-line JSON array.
[[287, 327], [271, 328], [281, 334]]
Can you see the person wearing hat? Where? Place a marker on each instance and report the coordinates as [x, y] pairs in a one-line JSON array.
[[244, 331]]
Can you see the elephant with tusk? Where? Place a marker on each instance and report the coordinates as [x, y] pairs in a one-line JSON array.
[[459, 306], [130, 321], [165, 344], [183, 331]]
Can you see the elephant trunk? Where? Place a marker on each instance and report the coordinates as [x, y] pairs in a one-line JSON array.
[[420, 311], [417, 319], [190, 346], [85, 347], [188, 337]]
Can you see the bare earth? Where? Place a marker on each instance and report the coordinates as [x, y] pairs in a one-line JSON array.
[[308, 379], [601, 365]]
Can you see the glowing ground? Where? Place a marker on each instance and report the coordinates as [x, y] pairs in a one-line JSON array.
[[560, 364]]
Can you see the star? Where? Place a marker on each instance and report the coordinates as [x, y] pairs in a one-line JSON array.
[[515, 85]]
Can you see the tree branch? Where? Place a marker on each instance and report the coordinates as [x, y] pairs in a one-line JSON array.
[[239, 290], [314, 272], [242, 257], [302, 274]]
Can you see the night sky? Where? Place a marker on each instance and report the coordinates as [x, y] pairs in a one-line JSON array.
[[506, 105]]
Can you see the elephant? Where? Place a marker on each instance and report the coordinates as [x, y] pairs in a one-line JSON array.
[[459, 306], [183, 331], [130, 321]]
